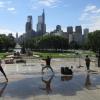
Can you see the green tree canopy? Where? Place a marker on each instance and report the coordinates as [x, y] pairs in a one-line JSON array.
[[94, 40], [53, 42]]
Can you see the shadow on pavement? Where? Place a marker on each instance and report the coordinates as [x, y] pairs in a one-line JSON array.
[[29, 87]]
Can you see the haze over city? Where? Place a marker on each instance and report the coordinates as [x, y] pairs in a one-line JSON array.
[[13, 14]]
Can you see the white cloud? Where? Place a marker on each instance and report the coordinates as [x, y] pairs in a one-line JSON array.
[[7, 31], [11, 9], [44, 3], [2, 4], [48, 2], [91, 17], [6, 5], [92, 9]]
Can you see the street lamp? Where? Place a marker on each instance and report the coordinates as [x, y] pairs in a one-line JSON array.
[[79, 55], [98, 57]]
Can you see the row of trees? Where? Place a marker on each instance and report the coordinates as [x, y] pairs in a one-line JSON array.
[[58, 42], [46, 42], [50, 42], [94, 40], [6, 42]]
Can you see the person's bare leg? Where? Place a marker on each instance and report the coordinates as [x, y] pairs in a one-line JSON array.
[[4, 74], [51, 69], [43, 68]]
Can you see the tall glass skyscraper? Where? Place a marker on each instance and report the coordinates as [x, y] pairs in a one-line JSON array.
[[41, 26], [29, 24]]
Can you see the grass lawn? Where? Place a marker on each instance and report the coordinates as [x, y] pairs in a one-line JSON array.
[[2, 55], [65, 55]]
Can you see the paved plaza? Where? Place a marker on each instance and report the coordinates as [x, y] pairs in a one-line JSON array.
[[27, 83]]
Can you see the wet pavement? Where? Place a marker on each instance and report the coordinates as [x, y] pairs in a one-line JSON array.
[[27, 83]]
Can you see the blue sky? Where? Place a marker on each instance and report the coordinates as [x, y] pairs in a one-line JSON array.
[[13, 14]]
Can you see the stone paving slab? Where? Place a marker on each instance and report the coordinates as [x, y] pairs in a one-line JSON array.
[[26, 82]]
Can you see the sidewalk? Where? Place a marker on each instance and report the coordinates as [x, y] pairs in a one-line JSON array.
[[25, 82]]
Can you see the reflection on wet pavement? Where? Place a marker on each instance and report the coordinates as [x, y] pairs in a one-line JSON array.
[[27, 83], [88, 81], [23, 88], [47, 83], [66, 77], [2, 87]]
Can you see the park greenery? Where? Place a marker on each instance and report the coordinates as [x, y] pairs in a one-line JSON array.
[[54, 45], [6, 42], [94, 40], [68, 54]]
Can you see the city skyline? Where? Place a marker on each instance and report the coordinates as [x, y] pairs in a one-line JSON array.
[[13, 14]]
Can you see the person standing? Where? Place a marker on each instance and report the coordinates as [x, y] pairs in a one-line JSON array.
[[1, 69], [48, 61], [87, 60]]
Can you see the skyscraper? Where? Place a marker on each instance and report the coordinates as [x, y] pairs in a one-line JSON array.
[[58, 28], [29, 24], [41, 26], [78, 29], [78, 35], [29, 28], [70, 33], [70, 29], [85, 37], [16, 37]]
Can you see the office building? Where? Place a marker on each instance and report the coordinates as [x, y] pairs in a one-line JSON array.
[[78, 35], [85, 36], [70, 33], [41, 26], [29, 24]]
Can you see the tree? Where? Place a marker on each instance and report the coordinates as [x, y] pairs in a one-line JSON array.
[[94, 40], [53, 42], [73, 45], [29, 43], [6, 42]]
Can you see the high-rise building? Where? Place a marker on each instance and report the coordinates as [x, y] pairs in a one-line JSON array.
[[29, 24], [16, 37], [78, 35], [58, 31], [78, 29], [70, 29], [41, 26], [86, 31], [58, 28], [29, 28], [70, 33]]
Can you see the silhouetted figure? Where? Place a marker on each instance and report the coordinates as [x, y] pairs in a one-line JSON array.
[[48, 61], [1, 69], [2, 89], [88, 82], [48, 84], [87, 60]]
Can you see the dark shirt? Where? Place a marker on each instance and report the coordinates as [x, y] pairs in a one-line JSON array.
[[47, 61], [87, 60]]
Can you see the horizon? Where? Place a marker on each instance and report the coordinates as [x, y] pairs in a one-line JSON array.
[[57, 12]]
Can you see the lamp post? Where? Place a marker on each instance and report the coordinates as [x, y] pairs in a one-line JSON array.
[[98, 57], [79, 60], [23, 47]]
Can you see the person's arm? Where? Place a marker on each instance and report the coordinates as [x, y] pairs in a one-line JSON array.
[[43, 59]]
